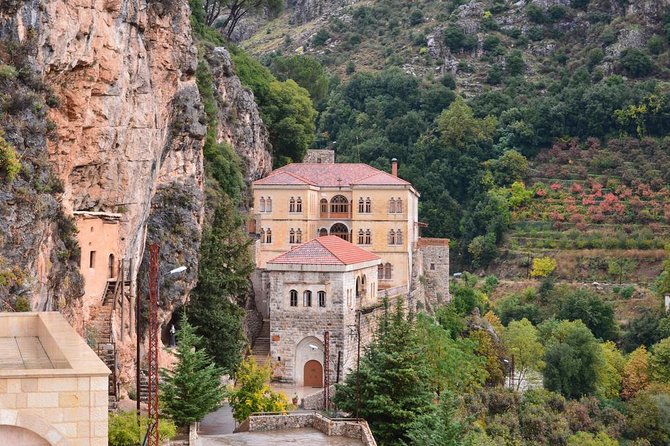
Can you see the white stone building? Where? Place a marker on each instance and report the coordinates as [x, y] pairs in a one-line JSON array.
[[316, 287]]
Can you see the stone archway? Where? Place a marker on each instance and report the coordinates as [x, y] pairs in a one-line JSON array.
[[25, 429], [308, 349]]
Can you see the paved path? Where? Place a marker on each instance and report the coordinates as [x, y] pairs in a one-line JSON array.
[[219, 422], [288, 437]]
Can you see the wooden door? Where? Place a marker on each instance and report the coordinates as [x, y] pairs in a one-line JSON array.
[[313, 374]]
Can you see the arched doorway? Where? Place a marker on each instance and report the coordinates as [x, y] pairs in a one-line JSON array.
[[340, 230], [110, 267], [313, 374]]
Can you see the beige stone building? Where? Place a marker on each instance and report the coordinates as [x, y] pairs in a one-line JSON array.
[[374, 210], [318, 286], [53, 387]]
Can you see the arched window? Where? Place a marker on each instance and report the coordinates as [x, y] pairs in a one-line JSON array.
[[361, 237], [398, 237], [323, 232], [268, 236], [298, 205], [268, 205], [324, 207], [361, 205], [293, 297], [261, 205], [398, 205], [298, 236], [392, 206], [291, 236], [339, 205], [358, 287], [291, 205], [388, 270], [262, 235], [340, 230], [307, 299], [322, 298], [391, 237], [368, 237], [368, 205], [380, 272]]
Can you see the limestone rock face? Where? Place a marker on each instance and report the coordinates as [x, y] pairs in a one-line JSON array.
[[305, 10], [129, 120], [240, 123]]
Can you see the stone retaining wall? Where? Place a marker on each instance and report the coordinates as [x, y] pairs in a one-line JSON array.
[[331, 427]]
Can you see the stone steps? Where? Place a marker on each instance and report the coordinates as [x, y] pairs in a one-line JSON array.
[[261, 346]]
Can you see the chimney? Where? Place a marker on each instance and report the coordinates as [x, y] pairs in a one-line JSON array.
[[394, 167]]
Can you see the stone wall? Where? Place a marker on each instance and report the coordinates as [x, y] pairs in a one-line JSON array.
[[324, 156], [430, 274], [350, 428]]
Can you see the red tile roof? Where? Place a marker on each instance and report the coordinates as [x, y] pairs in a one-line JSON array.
[[327, 250], [330, 175]]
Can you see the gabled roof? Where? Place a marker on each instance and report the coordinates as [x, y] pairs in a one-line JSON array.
[[326, 250], [330, 175]]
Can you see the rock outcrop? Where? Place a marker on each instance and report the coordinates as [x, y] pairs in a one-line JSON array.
[[240, 123]]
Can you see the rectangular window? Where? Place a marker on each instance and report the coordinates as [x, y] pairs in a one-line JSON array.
[[91, 259], [432, 267]]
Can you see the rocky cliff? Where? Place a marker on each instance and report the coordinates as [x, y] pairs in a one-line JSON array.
[[127, 127]]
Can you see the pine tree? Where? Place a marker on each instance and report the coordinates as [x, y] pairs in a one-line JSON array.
[[394, 380], [192, 389]]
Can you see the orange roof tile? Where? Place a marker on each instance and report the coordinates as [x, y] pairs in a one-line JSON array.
[[330, 175], [327, 250]]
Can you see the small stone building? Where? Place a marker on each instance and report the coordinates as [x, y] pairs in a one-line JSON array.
[[313, 288], [53, 387]]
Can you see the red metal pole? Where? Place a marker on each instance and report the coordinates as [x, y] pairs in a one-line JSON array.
[[152, 359]]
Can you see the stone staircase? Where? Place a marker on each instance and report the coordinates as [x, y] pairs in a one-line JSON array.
[[261, 346], [101, 325]]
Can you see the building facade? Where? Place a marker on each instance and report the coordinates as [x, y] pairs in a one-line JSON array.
[[316, 287], [374, 210]]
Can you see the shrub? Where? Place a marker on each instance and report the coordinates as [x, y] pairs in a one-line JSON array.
[[10, 165], [321, 37], [124, 430], [535, 14], [415, 17], [635, 62], [655, 44], [543, 267], [7, 72], [22, 304]]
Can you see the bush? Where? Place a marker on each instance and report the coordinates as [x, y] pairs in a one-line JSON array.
[[655, 44], [22, 304], [535, 14], [415, 17], [543, 267], [321, 37], [635, 62], [10, 165], [124, 430]]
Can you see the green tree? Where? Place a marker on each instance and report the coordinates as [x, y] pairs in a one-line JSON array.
[[515, 64], [192, 389], [252, 392], [509, 168], [306, 71], [521, 340], [597, 314], [394, 380], [459, 127], [452, 363], [572, 358], [234, 10], [609, 374], [439, 427], [636, 62], [224, 268], [649, 417], [291, 115], [543, 267], [659, 363], [588, 439]]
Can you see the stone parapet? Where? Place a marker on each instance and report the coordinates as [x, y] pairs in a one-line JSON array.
[[332, 427]]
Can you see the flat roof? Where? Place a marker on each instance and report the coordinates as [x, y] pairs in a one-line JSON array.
[[286, 437], [44, 344], [23, 352]]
